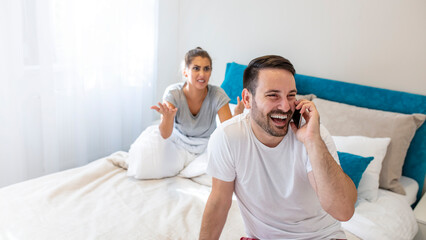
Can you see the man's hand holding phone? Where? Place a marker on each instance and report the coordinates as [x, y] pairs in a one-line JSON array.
[[297, 118], [309, 112]]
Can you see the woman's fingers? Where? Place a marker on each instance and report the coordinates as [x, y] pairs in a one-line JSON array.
[[155, 108], [160, 108], [164, 109]]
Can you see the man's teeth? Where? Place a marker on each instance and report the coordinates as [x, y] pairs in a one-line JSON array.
[[279, 116], [201, 81]]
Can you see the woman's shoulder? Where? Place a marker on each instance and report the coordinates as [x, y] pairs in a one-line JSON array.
[[216, 90], [174, 88], [213, 87], [218, 96], [173, 93]]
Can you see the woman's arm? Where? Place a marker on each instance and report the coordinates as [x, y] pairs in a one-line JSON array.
[[168, 113], [225, 113]]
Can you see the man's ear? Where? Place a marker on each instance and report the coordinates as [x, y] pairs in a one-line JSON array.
[[247, 98]]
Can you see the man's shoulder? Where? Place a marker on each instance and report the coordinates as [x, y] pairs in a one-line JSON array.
[[235, 127]]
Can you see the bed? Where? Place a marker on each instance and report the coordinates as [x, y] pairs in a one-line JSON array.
[[98, 200]]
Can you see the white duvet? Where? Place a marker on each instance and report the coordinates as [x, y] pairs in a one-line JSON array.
[[98, 201]]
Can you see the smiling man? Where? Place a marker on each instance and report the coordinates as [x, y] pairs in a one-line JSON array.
[[287, 180]]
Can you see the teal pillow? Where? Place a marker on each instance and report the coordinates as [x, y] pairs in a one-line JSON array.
[[354, 165], [233, 82]]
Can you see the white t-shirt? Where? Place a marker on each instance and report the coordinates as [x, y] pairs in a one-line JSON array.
[[275, 197]]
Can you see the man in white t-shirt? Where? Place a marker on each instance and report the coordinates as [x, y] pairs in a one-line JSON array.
[[287, 180]]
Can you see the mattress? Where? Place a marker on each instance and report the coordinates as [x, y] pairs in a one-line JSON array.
[[411, 187], [98, 201]]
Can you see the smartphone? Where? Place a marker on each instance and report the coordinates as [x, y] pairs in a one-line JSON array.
[[297, 118]]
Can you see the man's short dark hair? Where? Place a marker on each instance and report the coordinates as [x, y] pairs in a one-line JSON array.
[[251, 73]]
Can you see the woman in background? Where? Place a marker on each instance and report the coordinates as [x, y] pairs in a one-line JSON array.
[[188, 118]]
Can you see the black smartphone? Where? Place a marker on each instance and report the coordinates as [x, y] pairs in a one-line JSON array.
[[297, 118]]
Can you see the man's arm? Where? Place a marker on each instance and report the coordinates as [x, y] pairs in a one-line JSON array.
[[216, 210], [335, 190]]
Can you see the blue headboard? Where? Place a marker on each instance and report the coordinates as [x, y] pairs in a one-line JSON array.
[[358, 95]]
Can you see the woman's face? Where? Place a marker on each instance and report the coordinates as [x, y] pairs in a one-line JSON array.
[[198, 73]]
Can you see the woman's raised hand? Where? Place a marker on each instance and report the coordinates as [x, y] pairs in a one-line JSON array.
[[167, 110], [239, 108]]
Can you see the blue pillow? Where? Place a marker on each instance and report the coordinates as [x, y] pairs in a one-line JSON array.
[[233, 82], [354, 165]]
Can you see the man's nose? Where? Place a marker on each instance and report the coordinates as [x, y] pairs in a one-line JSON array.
[[285, 105]]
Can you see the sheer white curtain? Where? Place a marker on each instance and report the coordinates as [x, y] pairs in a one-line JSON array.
[[77, 79]]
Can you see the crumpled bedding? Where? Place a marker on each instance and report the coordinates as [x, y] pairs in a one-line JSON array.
[[390, 217], [98, 201]]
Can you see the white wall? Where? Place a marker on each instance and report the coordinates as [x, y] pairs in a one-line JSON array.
[[380, 43], [168, 45]]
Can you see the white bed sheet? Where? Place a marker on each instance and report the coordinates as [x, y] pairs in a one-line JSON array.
[[98, 201]]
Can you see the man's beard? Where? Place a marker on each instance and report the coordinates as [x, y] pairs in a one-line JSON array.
[[265, 122]]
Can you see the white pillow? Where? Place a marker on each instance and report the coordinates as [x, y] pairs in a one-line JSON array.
[[195, 168], [204, 179], [366, 147]]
